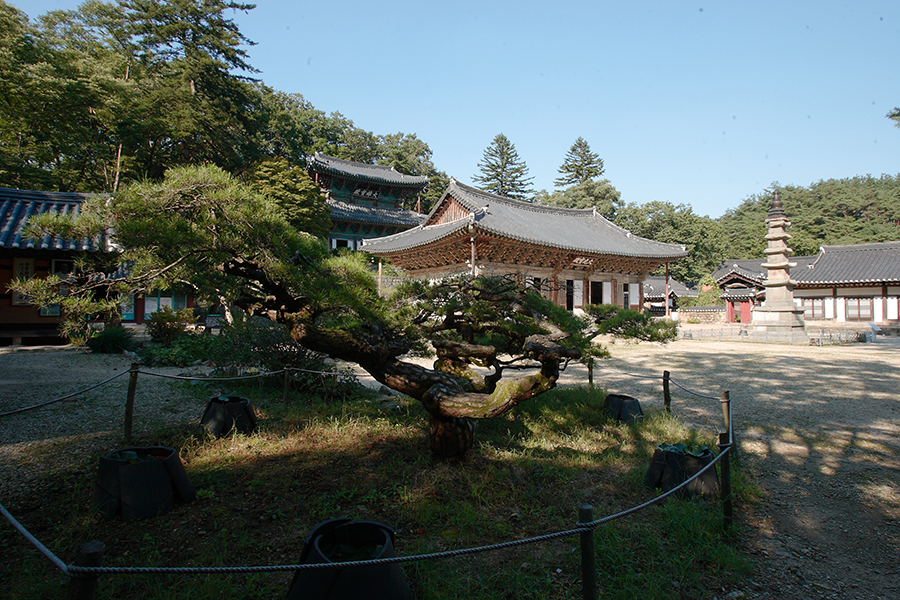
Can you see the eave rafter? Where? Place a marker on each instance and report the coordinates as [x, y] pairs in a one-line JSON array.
[[491, 249]]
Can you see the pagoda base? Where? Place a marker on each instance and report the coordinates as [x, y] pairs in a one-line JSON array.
[[778, 325]]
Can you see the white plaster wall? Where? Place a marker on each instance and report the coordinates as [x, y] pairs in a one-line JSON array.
[[877, 310], [634, 293], [893, 308], [829, 308], [579, 294], [607, 292], [841, 312]]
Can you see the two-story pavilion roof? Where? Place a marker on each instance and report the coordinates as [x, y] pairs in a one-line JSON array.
[[513, 235], [321, 163]]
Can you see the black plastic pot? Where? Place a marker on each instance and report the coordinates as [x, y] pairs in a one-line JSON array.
[[138, 483], [342, 540], [226, 413], [671, 466], [624, 408]]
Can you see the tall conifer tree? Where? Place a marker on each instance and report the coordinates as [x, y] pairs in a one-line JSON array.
[[580, 166], [503, 172]]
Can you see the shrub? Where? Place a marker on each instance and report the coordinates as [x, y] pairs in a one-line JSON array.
[[111, 340], [166, 325], [261, 343], [184, 350]]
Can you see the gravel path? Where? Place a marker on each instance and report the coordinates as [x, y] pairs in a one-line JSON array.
[[819, 426], [33, 443]]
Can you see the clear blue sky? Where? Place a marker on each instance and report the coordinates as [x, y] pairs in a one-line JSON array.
[[702, 103]]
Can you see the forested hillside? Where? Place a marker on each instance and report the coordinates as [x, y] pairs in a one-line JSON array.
[[855, 210], [118, 92]]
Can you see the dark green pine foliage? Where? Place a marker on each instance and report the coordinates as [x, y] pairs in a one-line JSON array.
[[580, 165], [503, 172], [702, 237], [854, 210], [198, 111]]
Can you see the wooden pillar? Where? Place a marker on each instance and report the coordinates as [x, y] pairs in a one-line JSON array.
[[641, 296], [668, 309]]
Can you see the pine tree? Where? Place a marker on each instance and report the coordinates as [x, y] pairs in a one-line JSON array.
[[581, 165], [503, 172]]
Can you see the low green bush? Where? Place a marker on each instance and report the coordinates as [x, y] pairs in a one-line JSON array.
[[111, 340], [166, 325], [182, 351]]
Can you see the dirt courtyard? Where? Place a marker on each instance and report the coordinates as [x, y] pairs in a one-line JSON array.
[[820, 429], [818, 426]]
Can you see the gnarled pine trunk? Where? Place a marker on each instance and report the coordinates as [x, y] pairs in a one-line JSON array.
[[454, 399]]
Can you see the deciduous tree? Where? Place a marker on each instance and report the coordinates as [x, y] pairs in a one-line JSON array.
[[299, 197], [590, 194], [702, 237]]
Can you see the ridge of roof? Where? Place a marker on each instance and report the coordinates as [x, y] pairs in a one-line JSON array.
[[861, 247], [519, 204], [542, 209], [578, 230], [358, 170]]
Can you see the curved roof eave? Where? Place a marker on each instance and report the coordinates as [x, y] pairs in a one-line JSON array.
[[421, 236], [363, 171], [411, 239]]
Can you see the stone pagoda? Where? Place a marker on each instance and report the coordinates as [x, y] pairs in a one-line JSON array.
[[779, 319]]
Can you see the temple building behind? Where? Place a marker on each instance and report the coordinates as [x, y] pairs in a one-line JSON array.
[[574, 256], [366, 200]]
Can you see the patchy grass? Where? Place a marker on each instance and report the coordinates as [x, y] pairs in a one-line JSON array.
[[309, 461]]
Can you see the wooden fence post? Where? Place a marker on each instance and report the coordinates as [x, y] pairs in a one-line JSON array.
[[287, 384], [129, 402], [83, 587], [588, 557], [667, 397], [725, 489], [590, 366], [729, 426]]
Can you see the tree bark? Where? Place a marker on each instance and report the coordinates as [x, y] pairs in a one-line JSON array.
[[452, 393]]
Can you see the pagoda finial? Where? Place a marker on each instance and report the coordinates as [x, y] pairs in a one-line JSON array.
[[776, 210]]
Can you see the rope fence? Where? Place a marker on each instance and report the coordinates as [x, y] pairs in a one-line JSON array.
[[91, 572], [72, 395], [84, 576]]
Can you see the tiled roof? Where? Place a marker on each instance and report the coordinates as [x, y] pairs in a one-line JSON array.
[[877, 263], [655, 288], [579, 230], [17, 206], [741, 292], [341, 211], [362, 171], [752, 269], [749, 268]]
